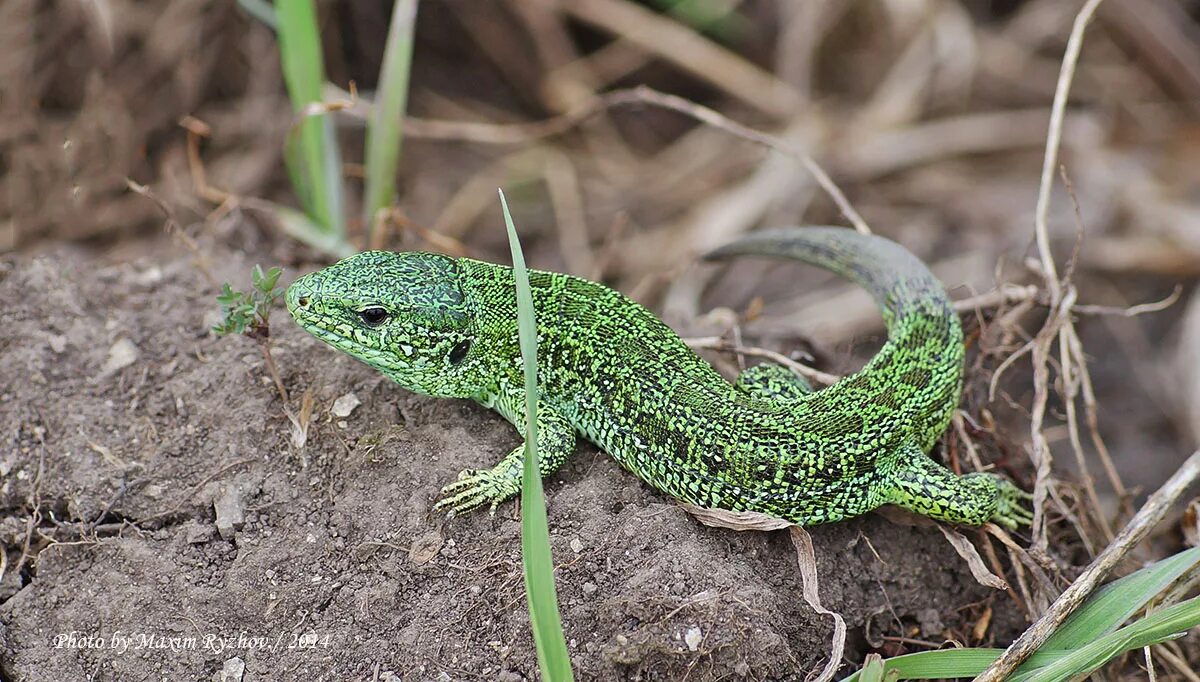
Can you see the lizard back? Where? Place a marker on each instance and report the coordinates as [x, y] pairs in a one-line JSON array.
[[627, 382]]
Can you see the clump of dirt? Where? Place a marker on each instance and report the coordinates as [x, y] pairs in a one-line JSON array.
[[125, 420]]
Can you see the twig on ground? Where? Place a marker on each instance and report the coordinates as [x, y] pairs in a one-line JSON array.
[[719, 344], [1133, 310], [1134, 532], [1058, 325], [173, 228], [1054, 139]]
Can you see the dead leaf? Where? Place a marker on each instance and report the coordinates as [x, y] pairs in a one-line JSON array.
[[425, 547], [974, 562], [807, 559], [744, 520]]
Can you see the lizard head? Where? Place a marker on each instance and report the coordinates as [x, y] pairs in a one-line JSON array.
[[402, 313]]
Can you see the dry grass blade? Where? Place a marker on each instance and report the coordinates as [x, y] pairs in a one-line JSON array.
[[689, 51], [808, 573], [522, 133], [974, 562], [1053, 141]]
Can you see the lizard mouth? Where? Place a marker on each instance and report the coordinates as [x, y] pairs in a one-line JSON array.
[[302, 303]]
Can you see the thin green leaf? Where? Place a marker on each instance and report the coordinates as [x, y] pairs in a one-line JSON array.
[[385, 127], [313, 159], [1159, 626], [1114, 603], [553, 660], [268, 283], [299, 226], [943, 663], [1085, 642]]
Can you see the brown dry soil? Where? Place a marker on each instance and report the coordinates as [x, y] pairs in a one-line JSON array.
[[340, 570]]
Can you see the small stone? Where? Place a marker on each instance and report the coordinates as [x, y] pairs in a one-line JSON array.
[[742, 669], [443, 676], [930, 621], [231, 671], [121, 355], [692, 638], [389, 676], [576, 545], [230, 515], [148, 277], [344, 405], [510, 676], [57, 342], [590, 587], [622, 640]]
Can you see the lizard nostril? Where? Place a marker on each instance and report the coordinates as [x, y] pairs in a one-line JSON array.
[[303, 301]]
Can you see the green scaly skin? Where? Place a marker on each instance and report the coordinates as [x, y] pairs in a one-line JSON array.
[[610, 371]]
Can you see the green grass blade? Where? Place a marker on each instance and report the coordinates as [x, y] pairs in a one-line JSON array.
[[553, 660], [299, 226], [943, 663], [1114, 603], [314, 164], [1159, 626], [385, 127], [1087, 640]]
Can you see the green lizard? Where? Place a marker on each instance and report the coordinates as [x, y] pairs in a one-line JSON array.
[[610, 371]]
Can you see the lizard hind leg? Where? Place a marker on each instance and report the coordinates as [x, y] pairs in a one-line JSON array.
[[773, 382], [922, 485]]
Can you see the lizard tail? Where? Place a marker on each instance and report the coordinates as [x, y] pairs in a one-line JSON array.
[[901, 285], [920, 368]]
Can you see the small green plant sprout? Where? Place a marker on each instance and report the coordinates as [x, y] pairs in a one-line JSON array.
[[249, 312]]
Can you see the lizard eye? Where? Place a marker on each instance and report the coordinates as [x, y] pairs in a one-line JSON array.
[[373, 317], [459, 352]]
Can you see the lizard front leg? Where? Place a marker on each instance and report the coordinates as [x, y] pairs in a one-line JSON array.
[[477, 487], [926, 487]]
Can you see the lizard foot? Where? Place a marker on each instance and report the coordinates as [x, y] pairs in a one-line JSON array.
[[475, 488], [1010, 509]]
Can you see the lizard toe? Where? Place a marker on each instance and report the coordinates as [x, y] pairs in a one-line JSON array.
[[475, 488], [1010, 510]]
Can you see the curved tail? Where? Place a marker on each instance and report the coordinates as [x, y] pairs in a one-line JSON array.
[[918, 372], [897, 280]]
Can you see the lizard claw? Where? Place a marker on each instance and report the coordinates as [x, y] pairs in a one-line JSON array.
[[1010, 512], [474, 488]]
